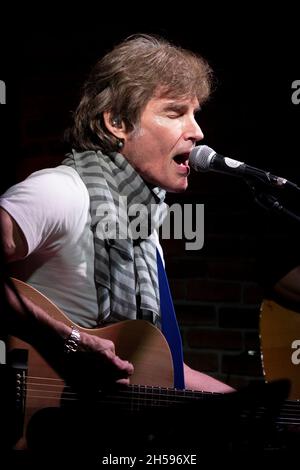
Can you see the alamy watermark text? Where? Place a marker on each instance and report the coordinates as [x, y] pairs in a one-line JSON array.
[[138, 221], [296, 94], [2, 92]]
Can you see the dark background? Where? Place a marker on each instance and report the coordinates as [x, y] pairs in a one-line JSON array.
[[250, 117]]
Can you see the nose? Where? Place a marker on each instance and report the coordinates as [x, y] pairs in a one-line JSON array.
[[194, 131]]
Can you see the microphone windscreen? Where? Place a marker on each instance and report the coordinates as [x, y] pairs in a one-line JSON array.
[[200, 157]]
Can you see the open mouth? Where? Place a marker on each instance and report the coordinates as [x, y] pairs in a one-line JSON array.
[[182, 160]]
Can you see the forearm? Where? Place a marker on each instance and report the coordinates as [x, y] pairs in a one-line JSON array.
[[195, 380], [289, 286], [23, 318]]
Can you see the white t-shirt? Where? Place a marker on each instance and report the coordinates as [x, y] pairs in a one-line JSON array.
[[51, 207]]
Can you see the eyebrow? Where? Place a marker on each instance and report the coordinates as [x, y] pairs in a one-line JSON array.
[[175, 106]]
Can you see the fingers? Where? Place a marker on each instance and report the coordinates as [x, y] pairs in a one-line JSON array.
[[124, 366], [107, 348], [123, 382], [102, 357]]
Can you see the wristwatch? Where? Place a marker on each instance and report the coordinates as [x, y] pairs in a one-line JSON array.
[[73, 341]]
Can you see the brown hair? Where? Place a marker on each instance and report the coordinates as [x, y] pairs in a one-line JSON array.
[[126, 78]]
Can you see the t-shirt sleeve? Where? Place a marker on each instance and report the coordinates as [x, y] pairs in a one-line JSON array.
[[46, 205]]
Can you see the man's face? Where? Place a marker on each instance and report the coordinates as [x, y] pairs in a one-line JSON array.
[[160, 148]]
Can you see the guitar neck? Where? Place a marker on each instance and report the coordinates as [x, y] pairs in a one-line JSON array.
[[238, 405], [143, 396]]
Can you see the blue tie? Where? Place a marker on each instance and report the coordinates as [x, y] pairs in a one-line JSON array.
[[169, 324]]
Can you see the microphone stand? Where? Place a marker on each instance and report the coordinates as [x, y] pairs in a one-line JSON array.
[[270, 202]]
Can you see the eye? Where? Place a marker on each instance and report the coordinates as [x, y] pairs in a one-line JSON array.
[[175, 114]]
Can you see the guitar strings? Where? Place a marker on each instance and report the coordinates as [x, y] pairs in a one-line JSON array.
[[134, 391], [139, 395]]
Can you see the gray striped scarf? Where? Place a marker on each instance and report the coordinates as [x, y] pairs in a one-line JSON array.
[[125, 251]]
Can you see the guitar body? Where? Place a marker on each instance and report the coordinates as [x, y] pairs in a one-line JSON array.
[[280, 344], [138, 341], [44, 391]]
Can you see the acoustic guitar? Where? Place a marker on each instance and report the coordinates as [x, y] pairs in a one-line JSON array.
[[39, 386], [280, 344]]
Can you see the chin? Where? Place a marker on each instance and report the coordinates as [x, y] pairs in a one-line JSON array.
[[180, 190], [177, 189], [178, 185]]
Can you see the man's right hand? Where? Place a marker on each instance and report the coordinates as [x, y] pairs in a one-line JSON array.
[[95, 364]]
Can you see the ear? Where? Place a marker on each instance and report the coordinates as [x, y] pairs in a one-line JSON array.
[[114, 125]]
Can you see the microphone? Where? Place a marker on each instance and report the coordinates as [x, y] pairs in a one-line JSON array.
[[204, 158]]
